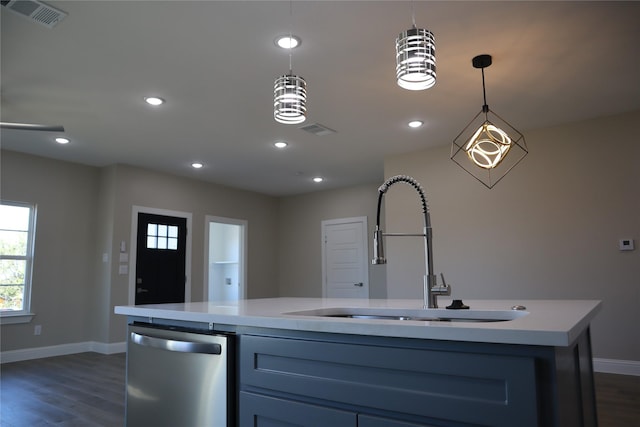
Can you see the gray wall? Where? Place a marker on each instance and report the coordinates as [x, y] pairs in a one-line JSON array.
[[150, 189], [549, 230], [63, 296], [300, 249], [84, 212]]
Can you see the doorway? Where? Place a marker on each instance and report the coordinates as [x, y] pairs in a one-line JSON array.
[[225, 259], [160, 256], [345, 266]]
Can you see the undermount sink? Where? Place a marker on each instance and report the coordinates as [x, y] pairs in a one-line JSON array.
[[420, 315]]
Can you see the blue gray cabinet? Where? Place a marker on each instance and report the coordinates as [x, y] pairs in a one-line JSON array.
[[373, 421], [266, 411], [298, 379]]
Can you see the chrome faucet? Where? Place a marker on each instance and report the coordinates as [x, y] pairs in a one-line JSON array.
[[431, 288]]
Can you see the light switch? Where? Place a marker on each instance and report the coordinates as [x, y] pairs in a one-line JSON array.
[[626, 244], [123, 269]]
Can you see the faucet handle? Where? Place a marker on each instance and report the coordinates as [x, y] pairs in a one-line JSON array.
[[441, 289]]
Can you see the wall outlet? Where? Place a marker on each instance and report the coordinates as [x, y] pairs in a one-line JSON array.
[[37, 330]]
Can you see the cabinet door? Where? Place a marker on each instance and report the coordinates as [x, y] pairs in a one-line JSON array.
[[372, 421], [264, 411], [431, 384]]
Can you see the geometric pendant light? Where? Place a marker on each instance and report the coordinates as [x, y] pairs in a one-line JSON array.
[[290, 93], [488, 147], [416, 58]]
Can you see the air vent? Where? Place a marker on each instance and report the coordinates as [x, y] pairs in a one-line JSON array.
[[36, 11], [317, 129]]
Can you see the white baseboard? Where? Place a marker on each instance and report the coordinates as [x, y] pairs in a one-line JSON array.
[[108, 348], [61, 350], [615, 366]]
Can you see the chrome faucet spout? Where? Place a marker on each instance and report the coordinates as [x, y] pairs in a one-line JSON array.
[[378, 247], [431, 288]]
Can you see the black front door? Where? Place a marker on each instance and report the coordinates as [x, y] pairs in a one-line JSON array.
[[160, 259]]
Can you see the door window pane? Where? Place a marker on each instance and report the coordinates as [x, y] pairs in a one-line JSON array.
[[162, 236], [172, 243]]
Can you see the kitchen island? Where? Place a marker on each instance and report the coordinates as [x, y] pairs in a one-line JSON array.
[[372, 363]]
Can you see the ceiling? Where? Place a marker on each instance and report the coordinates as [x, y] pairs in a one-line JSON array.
[[215, 64]]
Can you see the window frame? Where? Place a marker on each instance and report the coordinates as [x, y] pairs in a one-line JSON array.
[[25, 315]]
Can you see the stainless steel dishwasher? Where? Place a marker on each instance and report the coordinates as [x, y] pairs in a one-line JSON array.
[[179, 377]]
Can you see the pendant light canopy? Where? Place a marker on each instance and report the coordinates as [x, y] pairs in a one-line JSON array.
[[416, 58], [488, 147], [289, 90]]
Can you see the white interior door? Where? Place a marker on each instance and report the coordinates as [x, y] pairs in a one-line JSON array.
[[225, 259], [345, 266]]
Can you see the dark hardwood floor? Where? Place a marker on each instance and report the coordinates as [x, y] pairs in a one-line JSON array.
[[83, 390], [618, 400], [87, 389]]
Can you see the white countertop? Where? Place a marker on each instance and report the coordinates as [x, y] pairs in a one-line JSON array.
[[544, 322]]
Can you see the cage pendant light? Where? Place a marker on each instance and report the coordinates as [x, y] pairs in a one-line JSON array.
[[290, 93], [488, 147], [290, 99], [416, 58]]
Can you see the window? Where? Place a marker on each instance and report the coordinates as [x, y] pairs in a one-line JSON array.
[[17, 229], [160, 236]]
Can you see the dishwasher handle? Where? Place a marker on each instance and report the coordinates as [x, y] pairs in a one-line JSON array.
[[175, 345]]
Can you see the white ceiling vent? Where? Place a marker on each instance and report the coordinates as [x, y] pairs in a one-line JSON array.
[[36, 11], [317, 129]]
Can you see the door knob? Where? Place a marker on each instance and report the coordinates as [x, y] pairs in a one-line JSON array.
[[358, 284], [141, 290]]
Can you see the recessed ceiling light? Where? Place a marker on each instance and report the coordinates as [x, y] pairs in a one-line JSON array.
[[197, 165], [415, 123], [61, 140], [280, 144], [154, 100], [318, 179], [288, 41]]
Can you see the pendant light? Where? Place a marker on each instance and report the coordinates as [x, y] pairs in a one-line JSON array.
[[488, 147], [415, 57], [290, 93]]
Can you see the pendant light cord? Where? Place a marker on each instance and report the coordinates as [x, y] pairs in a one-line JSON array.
[[413, 15], [290, 37], [485, 107]]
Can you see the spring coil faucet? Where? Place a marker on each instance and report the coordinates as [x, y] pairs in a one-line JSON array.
[[431, 288]]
